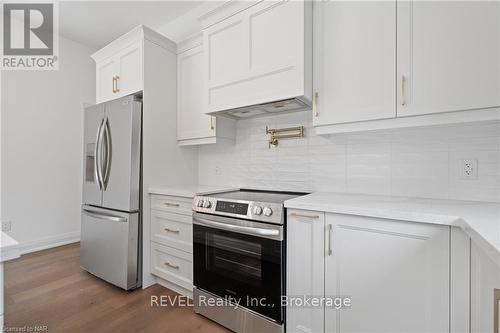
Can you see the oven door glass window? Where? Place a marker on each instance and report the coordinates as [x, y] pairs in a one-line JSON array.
[[239, 266], [228, 255]]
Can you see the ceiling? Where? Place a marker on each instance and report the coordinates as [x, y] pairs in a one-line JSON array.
[[96, 23]]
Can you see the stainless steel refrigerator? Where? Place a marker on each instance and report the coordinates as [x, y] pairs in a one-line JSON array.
[[111, 208]]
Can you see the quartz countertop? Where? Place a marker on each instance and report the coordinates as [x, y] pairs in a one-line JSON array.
[[480, 220], [8, 248], [189, 191]]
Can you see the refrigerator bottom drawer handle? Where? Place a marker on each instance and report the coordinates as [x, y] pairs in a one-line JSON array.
[[107, 217]]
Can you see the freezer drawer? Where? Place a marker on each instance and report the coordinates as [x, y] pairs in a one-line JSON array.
[[110, 246]]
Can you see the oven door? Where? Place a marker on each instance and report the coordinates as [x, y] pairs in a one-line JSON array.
[[240, 260]]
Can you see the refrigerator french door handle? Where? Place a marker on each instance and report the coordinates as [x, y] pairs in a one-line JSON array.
[[97, 157], [98, 215], [101, 154], [108, 145]]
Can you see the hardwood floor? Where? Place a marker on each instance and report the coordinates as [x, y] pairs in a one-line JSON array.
[[48, 288]]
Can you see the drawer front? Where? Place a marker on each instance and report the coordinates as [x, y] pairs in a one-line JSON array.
[[172, 265], [171, 204], [173, 230]]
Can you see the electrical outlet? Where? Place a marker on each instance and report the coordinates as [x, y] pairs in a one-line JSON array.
[[468, 169], [217, 170], [6, 226]]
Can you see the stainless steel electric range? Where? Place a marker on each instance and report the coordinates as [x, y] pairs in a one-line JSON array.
[[239, 259]]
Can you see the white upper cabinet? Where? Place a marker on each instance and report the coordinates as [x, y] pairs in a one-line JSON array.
[[378, 63], [354, 61], [120, 64], [191, 102], [193, 125], [121, 74], [106, 79], [130, 76], [448, 56], [259, 55]]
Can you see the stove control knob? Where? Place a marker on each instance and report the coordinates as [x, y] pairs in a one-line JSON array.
[[267, 211], [207, 204], [200, 203], [257, 210]]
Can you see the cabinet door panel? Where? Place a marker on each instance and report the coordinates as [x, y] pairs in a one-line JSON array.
[[273, 33], [485, 278], [396, 273], [355, 61], [449, 53], [192, 123], [261, 50], [130, 73], [105, 73], [305, 268], [228, 51]]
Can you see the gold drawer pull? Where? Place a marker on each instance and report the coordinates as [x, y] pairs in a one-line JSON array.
[[403, 92], [171, 266], [172, 230], [329, 249], [305, 216], [116, 84], [171, 204], [315, 104]]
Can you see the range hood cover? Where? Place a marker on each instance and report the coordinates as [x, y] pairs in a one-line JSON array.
[[259, 110]]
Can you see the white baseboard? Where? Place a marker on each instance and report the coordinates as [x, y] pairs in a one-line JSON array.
[[49, 242]]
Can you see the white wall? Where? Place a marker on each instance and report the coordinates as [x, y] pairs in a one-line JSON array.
[[41, 138], [420, 162]]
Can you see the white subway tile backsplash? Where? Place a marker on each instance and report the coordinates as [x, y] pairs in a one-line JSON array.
[[419, 162]]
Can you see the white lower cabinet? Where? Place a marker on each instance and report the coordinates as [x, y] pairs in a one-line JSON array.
[[485, 291], [305, 268], [172, 265], [396, 273], [173, 230], [171, 246]]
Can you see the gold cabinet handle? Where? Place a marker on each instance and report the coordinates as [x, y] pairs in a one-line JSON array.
[[116, 83], [171, 266], [315, 104], [329, 247], [113, 84], [305, 216], [212, 123], [172, 230], [403, 94], [171, 204]]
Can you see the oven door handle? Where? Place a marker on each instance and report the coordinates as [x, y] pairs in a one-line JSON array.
[[237, 228]]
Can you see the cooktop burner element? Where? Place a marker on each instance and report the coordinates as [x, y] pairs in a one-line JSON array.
[[265, 206]]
